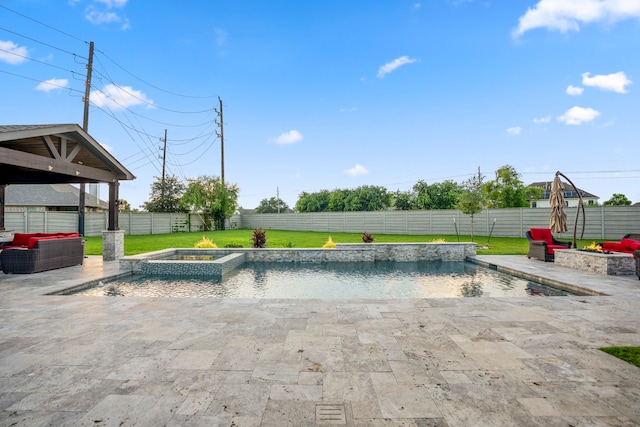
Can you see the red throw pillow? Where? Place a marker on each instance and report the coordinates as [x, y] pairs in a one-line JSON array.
[[20, 239], [630, 244]]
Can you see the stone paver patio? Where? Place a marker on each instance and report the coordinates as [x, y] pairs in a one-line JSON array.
[[111, 361]]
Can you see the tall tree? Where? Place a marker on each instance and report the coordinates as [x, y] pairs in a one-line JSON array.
[[165, 198], [618, 200], [313, 202], [508, 191], [471, 199], [403, 200], [207, 196], [272, 205], [439, 195]]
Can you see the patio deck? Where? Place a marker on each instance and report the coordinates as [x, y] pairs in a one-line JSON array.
[[73, 360]]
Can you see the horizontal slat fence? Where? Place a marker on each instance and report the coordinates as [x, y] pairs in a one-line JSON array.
[[602, 222]]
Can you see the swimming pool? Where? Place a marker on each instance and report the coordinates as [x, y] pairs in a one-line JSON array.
[[332, 280]]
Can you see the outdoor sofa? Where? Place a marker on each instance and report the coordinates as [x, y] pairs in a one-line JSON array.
[[542, 244], [35, 252], [629, 244]]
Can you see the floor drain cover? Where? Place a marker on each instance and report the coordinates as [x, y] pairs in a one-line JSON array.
[[330, 414]]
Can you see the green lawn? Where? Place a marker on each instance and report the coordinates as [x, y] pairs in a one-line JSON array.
[[299, 239], [628, 354]]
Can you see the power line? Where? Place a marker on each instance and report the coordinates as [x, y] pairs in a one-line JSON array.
[[154, 86], [43, 43], [43, 24]]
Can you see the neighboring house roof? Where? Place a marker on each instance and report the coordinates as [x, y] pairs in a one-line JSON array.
[[569, 192], [49, 195]]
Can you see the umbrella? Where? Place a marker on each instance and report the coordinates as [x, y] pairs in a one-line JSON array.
[[557, 219]]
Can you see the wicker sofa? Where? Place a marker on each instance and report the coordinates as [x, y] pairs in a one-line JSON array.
[[542, 244], [43, 251]]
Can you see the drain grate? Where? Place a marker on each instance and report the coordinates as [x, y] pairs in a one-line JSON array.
[[330, 414]]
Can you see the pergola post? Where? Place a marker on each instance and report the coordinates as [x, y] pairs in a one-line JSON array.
[[114, 189], [2, 199]]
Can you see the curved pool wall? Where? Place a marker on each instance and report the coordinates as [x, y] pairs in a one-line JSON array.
[[158, 262]]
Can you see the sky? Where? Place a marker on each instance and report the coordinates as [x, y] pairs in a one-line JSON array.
[[336, 94]]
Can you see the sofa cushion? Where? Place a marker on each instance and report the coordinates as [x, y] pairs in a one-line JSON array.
[[630, 245], [612, 246], [542, 234], [552, 248], [33, 241], [20, 239]]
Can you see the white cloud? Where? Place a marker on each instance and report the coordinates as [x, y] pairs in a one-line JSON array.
[[286, 138], [540, 120], [615, 82], [51, 84], [14, 54], [102, 12], [575, 90], [358, 169], [118, 97], [393, 65], [97, 17], [113, 3], [514, 130], [417, 6], [578, 115], [221, 36], [348, 110], [568, 15]]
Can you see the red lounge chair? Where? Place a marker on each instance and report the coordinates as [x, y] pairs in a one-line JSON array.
[[542, 244]]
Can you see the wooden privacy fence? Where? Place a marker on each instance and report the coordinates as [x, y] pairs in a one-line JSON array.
[[602, 222]]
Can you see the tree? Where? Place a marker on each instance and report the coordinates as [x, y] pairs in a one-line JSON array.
[[272, 205], [403, 200], [165, 198], [367, 198], [207, 196], [618, 200], [508, 191], [471, 199], [313, 202], [439, 195]]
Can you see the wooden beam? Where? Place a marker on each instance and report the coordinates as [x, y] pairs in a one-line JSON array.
[[58, 166]]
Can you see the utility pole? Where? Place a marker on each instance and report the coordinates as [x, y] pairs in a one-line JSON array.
[[85, 127], [221, 135], [164, 163]]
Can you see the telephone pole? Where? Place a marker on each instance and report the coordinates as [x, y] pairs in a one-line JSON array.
[[221, 135], [164, 163], [85, 127]]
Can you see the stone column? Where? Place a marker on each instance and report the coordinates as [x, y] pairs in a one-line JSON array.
[[112, 245]]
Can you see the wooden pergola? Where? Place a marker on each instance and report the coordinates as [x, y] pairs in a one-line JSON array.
[[55, 154]]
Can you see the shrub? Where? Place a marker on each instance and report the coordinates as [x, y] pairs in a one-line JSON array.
[[205, 243], [329, 243], [289, 245], [233, 245], [367, 238], [259, 238], [438, 241]]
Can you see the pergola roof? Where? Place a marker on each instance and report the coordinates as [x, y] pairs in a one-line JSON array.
[[49, 154]]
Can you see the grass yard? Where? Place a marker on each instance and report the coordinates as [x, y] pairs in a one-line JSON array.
[[628, 354], [299, 239]]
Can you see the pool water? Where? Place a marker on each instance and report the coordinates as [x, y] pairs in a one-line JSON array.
[[358, 280]]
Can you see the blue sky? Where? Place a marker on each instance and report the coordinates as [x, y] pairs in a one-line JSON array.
[[337, 94]]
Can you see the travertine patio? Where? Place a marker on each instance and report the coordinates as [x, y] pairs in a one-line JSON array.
[[71, 360]]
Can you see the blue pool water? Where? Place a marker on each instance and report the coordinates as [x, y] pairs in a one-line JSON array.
[[365, 280]]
